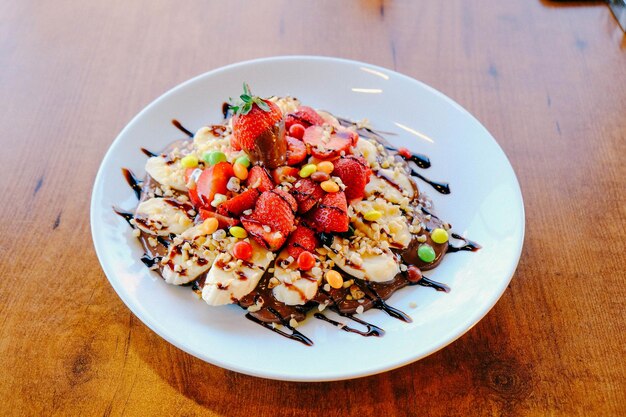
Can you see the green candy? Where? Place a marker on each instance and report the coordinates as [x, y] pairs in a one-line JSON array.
[[426, 253], [243, 160], [214, 157]]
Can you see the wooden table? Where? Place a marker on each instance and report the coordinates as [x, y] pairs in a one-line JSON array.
[[547, 79]]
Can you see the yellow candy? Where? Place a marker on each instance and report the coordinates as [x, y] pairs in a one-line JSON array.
[[240, 170], [238, 232], [325, 166], [372, 216], [439, 235], [330, 186], [334, 279], [209, 226], [307, 170], [189, 161]]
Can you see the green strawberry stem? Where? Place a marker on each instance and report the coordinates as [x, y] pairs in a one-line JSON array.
[[248, 101]]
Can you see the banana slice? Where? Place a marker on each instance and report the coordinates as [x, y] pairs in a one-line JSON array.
[[189, 258], [368, 150], [229, 279], [294, 287], [370, 266], [392, 226], [169, 173], [162, 216]]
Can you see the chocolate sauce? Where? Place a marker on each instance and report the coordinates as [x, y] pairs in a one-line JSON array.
[[226, 110], [182, 128], [372, 330], [441, 187], [126, 215], [427, 282], [469, 246], [134, 183], [148, 153], [294, 335], [419, 159], [150, 261]]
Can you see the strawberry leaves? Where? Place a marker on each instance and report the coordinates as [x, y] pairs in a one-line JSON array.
[[248, 101]]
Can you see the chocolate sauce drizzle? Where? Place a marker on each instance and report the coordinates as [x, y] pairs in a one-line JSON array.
[[469, 246], [135, 183], [125, 215], [182, 128], [427, 282], [372, 330], [294, 335], [148, 153]]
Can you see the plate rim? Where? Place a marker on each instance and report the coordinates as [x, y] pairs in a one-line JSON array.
[[164, 334]]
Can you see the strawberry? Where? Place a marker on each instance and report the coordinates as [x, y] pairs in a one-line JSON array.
[[235, 206], [305, 116], [355, 173], [258, 177], [302, 239], [285, 174], [224, 222], [272, 219], [332, 213], [307, 193], [327, 142], [296, 151], [259, 129], [212, 180]]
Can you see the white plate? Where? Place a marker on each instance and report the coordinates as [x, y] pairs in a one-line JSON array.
[[485, 205]]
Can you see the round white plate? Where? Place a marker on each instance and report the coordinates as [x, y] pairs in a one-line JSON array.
[[485, 205]]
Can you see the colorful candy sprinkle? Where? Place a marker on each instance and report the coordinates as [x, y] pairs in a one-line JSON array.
[[238, 232], [189, 161], [242, 250], [439, 235], [240, 170], [373, 215], [214, 157], [306, 260], [243, 160], [307, 170], [334, 279], [426, 253], [330, 186], [325, 166]]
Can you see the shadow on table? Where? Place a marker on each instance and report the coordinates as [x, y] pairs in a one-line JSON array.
[[477, 373]]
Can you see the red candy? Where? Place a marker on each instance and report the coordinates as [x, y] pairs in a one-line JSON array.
[[414, 274], [404, 152], [242, 250], [306, 260]]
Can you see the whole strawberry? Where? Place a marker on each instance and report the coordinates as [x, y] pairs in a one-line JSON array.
[[259, 129]]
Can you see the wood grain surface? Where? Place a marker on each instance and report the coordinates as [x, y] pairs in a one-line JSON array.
[[548, 79]]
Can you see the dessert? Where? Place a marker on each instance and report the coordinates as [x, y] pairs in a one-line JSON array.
[[283, 209]]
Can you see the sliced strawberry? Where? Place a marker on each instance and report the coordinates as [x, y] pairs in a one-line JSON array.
[[271, 240], [258, 177], [305, 116], [332, 213], [296, 151], [213, 180], [224, 222], [285, 174], [355, 173], [302, 239], [235, 206], [272, 219], [329, 145], [307, 193]]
